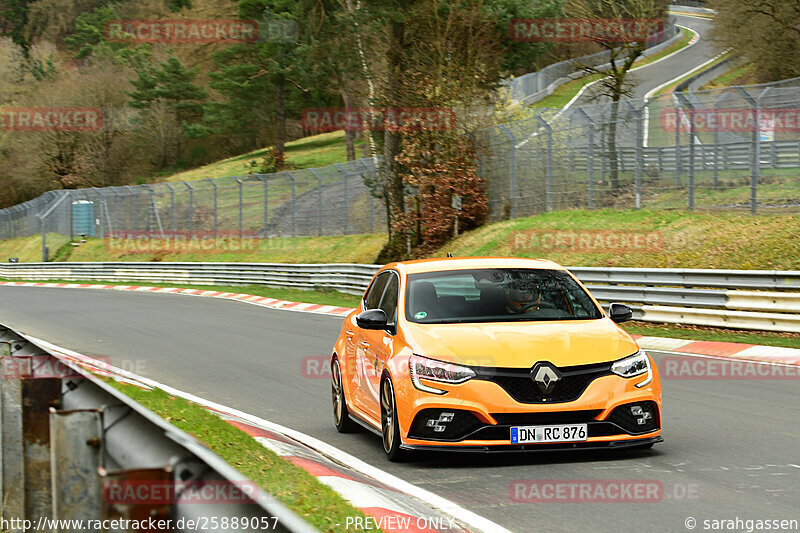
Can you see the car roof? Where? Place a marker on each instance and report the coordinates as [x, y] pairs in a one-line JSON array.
[[464, 263]]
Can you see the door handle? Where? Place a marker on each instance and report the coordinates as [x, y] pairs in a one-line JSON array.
[[349, 333], [365, 344]]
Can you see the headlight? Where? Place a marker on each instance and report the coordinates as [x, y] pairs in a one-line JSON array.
[[635, 365], [422, 367]]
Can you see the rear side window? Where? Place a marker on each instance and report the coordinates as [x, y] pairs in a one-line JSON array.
[[373, 298]]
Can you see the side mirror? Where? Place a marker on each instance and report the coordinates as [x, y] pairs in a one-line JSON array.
[[372, 319], [620, 313]]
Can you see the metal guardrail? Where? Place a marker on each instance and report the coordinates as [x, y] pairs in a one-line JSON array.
[[68, 438], [771, 298]]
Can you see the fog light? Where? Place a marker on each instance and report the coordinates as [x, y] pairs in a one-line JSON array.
[[438, 424], [643, 417]]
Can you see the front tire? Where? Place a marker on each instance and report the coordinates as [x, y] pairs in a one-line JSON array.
[[390, 427], [341, 415]]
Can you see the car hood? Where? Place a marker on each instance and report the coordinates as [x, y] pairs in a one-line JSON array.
[[521, 344]]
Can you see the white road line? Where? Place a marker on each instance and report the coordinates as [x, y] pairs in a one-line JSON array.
[[667, 83], [454, 510]]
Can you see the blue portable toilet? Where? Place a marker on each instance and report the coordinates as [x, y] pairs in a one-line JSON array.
[[83, 218]]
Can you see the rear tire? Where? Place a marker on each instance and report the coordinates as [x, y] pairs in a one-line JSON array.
[[341, 415], [390, 427]]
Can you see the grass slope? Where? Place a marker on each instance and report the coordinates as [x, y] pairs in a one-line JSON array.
[[291, 485], [690, 240], [315, 151]]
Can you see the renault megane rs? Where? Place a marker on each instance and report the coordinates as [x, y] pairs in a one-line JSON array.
[[491, 354]]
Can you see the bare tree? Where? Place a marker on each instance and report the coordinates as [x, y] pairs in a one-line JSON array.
[[622, 54], [772, 39]]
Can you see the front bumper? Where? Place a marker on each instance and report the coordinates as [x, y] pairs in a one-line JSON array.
[[604, 405], [555, 447]]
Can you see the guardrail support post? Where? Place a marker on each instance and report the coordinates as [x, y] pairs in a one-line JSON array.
[[76, 453], [25, 400], [116, 507]]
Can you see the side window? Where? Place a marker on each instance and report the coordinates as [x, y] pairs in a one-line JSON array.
[[373, 297], [389, 300]]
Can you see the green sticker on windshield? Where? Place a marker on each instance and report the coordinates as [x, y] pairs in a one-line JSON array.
[[421, 315]]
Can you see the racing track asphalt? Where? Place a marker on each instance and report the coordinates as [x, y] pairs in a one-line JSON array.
[[647, 78], [731, 445]]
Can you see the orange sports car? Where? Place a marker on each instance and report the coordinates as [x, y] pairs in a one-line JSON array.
[[491, 354]]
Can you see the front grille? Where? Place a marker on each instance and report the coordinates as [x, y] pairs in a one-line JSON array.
[[541, 419], [518, 383], [623, 417]]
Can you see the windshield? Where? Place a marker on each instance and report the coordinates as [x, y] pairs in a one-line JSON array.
[[496, 295]]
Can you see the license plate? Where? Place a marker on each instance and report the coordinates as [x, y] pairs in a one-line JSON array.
[[542, 434]]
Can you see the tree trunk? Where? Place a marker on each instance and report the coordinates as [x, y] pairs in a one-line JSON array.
[[392, 141], [349, 134], [280, 112]]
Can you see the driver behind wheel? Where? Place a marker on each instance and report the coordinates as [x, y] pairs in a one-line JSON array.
[[522, 299]]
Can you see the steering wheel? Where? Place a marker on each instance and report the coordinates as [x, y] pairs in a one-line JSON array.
[[536, 305]]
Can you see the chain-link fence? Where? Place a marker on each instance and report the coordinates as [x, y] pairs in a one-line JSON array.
[[332, 200], [733, 148]]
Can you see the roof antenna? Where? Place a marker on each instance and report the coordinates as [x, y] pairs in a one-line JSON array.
[[449, 254]]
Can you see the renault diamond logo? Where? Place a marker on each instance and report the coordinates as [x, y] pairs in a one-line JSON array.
[[545, 376]]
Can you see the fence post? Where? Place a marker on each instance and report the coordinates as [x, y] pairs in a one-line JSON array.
[[44, 239], [716, 144], [639, 163], [512, 171], [239, 183], [214, 185], [678, 162], [755, 162], [191, 208], [171, 207], [134, 219], [548, 194], [371, 198], [263, 179], [294, 204], [319, 200], [690, 107], [344, 178]]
